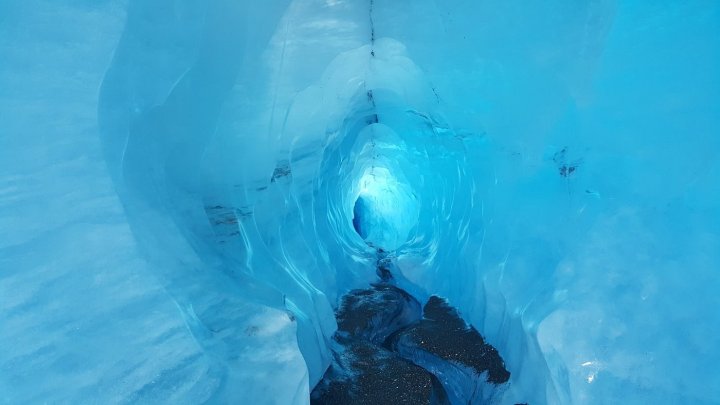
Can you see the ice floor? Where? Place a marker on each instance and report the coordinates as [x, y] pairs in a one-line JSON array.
[[188, 188]]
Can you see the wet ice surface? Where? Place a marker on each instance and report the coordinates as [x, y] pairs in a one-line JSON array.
[[387, 352], [176, 175], [375, 313]]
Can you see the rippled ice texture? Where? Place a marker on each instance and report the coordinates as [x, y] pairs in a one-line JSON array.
[[178, 178]]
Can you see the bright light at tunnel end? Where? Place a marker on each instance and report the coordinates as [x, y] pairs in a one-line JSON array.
[[385, 210]]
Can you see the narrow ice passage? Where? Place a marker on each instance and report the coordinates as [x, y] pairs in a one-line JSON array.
[[192, 193]]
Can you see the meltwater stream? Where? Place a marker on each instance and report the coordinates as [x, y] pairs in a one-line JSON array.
[[388, 350], [492, 201]]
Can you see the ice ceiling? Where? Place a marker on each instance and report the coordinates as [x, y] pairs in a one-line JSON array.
[[187, 187]]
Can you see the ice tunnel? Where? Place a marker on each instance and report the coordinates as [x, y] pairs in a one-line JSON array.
[[360, 201]]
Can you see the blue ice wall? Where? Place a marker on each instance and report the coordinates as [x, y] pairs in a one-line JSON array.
[[178, 181]]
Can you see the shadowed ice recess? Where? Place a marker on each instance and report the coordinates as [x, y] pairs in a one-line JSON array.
[[524, 195]]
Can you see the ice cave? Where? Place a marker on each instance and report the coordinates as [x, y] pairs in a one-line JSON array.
[[360, 202]]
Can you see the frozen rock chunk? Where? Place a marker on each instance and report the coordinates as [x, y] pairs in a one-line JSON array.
[[363, 373], [442, 343]]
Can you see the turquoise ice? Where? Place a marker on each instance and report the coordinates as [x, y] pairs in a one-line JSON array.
[[179, 178]]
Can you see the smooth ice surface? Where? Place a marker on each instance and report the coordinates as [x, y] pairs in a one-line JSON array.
[[178, 181]]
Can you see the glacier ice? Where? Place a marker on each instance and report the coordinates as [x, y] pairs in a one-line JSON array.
[[179, 183]]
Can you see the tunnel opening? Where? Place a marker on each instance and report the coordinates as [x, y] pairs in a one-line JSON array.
[[385, 209], [359, 216]]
